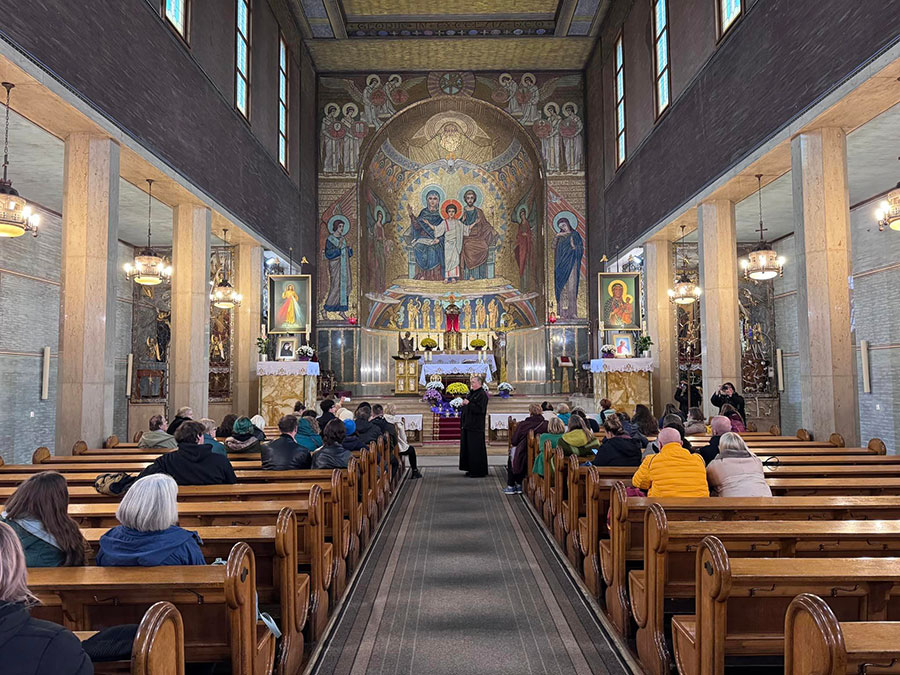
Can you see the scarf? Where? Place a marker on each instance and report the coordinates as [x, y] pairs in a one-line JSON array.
[[34, 527]]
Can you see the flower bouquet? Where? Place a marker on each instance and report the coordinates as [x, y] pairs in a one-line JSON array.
[[504, 389], [456, 404], [305, 352], [457, 389], [477, 343], [435, 384], [428, 344], [433, 397], [608, 351]]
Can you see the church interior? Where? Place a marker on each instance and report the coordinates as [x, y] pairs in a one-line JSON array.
[[522, 336]]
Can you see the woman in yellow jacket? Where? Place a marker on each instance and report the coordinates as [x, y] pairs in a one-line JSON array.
[[673, 472]]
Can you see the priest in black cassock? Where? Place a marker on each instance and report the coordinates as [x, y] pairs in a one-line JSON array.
[[472, 446]]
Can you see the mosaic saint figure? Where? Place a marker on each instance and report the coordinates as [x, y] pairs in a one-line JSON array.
[[351, 142], [523, 243], [550, 142], [467, 315], [412, 312], [570, 130], [567, 270], [510, 86], [438, 314], [529, 97], [427, 249], [480, 314], [379, 251], [370, 109], [493, 313], [337, 255], [425, 314], [479, 237], [452, 231], [332, 133]]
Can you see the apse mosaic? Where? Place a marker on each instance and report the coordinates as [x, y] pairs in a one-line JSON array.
[[452, 186]]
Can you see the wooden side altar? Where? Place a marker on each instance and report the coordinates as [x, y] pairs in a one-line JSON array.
[[283, 383], [625, 382]]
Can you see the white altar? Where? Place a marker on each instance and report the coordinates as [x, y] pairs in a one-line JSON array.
[[283, 383], [458, 364], [488, 358]]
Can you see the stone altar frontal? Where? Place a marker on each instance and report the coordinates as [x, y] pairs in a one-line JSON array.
[[625, 382], [283, 383]]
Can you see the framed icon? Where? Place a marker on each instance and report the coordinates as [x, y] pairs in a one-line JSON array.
[[287, 348], [623, 345], [290, 303], [620, 299]]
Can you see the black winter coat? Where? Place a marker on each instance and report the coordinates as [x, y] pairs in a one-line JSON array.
[[711, 451], [367, 432], [193, 464], [386, 427], [681, 395], [33, 647], [331, 457], [473, 415], [284, 454], [324, 419], [735, 399], [352, 443], [618, 451], [174, 424]]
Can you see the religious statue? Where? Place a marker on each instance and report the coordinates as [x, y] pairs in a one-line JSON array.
[[452, 313], [412, 313], [567, 270], [467, 314], [427, 248], [426, 314], [407, 344], [479, 237], [438, 314], [480, 314]]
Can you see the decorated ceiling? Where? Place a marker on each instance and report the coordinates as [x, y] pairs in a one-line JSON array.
[[363, 35]]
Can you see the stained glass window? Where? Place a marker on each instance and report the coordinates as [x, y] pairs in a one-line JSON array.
[[661, 53], [242, 58], [283, 101]]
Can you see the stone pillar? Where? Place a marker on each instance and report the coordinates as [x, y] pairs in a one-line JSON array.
[[822, 221], [247, 317], [189, 351], [87, 331], [659, 266], [720, 330]]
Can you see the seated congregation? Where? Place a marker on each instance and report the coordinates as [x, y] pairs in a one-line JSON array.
[[263, 526]]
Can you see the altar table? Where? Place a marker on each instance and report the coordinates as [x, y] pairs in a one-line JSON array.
[[469, 357], [430, 369], [282, 384], [625, 382]]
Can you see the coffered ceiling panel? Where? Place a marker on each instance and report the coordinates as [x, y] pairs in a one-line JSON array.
[[449, 9], [450, 54]]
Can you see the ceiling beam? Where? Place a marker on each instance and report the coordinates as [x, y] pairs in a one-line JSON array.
[[602, 10], [564, 17], [300, 20], [336, 18]]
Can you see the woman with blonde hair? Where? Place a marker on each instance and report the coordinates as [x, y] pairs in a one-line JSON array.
[[29, 645], [736, 471], [38, 514], [555, 431], [149, 535]]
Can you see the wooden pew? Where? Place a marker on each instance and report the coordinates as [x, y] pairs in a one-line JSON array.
[[158, 647], [816, 642], [669, 560], [275, 551], [741, 602], [217, 604], [626, 535]]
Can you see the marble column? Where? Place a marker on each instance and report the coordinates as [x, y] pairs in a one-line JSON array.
[[720, 330], [189, 351], [248, 281], [662, 327], [822, 222], [87, 332]]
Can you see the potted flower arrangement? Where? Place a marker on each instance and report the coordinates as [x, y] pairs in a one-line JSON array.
[[477, 344], [435, 384], [457, 389], [262, 346], [608, 351], [428, 344], [456, 404], [434, 398], [305, 352], [504, 389]]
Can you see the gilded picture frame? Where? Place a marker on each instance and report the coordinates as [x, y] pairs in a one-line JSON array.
[[619, 300], [290, 304]]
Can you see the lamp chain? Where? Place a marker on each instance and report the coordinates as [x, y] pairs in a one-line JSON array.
[[149, 207], [759, 195], [8, 86]]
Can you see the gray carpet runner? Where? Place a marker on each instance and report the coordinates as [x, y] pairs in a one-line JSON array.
[[462, 580]]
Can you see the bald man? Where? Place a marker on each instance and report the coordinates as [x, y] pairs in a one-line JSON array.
[[720, 425], [673, 472]]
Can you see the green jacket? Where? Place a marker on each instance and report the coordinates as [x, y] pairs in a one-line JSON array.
[[579, 443], [538, 467], [38, 553]]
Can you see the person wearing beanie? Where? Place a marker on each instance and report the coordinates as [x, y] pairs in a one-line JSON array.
[[352, 441], [674, 471], [259, 427], [242, 439]]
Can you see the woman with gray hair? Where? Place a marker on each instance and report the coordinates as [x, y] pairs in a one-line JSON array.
[[29, 645], [148, 535], [736, 471]]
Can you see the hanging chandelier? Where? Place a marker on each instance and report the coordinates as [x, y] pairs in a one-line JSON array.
[[762, 263], [685, 291], [223, 294], [16, 217], [888, 213], [148, 268]]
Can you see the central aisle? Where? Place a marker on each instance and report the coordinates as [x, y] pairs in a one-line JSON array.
[[461, 580]]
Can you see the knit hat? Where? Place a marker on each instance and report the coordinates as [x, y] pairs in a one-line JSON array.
[[350, 427], [259, 422], [242, 425]]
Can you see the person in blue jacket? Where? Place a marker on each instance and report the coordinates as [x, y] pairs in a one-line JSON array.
[[148, 535]]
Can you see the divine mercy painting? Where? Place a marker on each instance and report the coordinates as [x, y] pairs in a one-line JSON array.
[[289, 303]]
